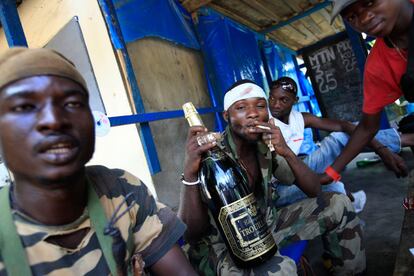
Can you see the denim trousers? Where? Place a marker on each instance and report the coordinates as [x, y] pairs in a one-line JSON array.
[[329, 149]]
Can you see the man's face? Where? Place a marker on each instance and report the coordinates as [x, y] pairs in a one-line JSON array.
[[47, 129], [281, 102], [374, 17], [244, 115]]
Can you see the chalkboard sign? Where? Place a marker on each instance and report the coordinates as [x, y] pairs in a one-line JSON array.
[[336, 80]]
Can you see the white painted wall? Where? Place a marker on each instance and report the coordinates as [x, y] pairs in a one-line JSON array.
[[41, 20]]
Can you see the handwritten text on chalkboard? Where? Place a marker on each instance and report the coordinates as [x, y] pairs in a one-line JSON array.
[[335, 76]]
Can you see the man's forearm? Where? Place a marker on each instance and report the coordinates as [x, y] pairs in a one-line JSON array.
[[349, 129], [173, 262], [193, 212], [375, 145], [306, 179], [361, 136]]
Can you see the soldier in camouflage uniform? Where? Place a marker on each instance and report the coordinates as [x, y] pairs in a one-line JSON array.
[[57, 208], [328, 215]]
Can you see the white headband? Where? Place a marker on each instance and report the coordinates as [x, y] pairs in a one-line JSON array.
[[242, 92]]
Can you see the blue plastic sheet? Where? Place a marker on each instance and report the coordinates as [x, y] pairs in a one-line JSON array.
[[156, 18], [307, 90], [280, 63], [230, 51]]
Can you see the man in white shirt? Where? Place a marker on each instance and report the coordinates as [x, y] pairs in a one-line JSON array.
[[282, 97]]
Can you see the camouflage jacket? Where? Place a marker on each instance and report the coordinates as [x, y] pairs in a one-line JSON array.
[[155, 229]]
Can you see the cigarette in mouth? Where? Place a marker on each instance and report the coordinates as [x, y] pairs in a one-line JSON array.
[[269, 145], [263, 127]]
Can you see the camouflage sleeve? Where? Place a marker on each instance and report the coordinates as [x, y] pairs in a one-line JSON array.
[[282, 171], [157, 227], [157, 234]]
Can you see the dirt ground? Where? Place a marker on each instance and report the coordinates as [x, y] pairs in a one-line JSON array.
[[382, 216]]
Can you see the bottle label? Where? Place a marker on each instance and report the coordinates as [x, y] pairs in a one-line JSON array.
[[245, 229]]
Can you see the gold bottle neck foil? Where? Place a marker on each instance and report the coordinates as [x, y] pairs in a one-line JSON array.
[[191, 114]]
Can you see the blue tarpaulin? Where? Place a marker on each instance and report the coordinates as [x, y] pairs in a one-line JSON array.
[[230, 51], [155, 18], [280, 63]]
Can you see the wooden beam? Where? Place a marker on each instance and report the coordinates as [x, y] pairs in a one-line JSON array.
[[284, 41], [193, 5], [238, 18], [299, 16], [256, 5], [323, 42], [290, 37]]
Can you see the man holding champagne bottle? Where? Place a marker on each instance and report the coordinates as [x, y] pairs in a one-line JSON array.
[[248, 140]]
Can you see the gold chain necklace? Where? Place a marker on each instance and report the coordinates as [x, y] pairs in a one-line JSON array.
[[398, 49]]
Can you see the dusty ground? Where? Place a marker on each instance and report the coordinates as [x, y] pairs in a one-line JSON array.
[[382, 216]]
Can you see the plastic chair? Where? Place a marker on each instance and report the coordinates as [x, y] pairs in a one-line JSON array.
[[294, 250]]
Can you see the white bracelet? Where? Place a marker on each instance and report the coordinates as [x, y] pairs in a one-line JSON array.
[[190, 183]]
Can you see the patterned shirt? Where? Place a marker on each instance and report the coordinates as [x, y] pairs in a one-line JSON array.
[[155, 229], [204, 254]]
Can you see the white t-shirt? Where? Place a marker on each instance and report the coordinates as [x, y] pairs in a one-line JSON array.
[[294, 131]]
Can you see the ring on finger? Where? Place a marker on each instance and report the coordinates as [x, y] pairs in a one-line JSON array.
[[199, 141]]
